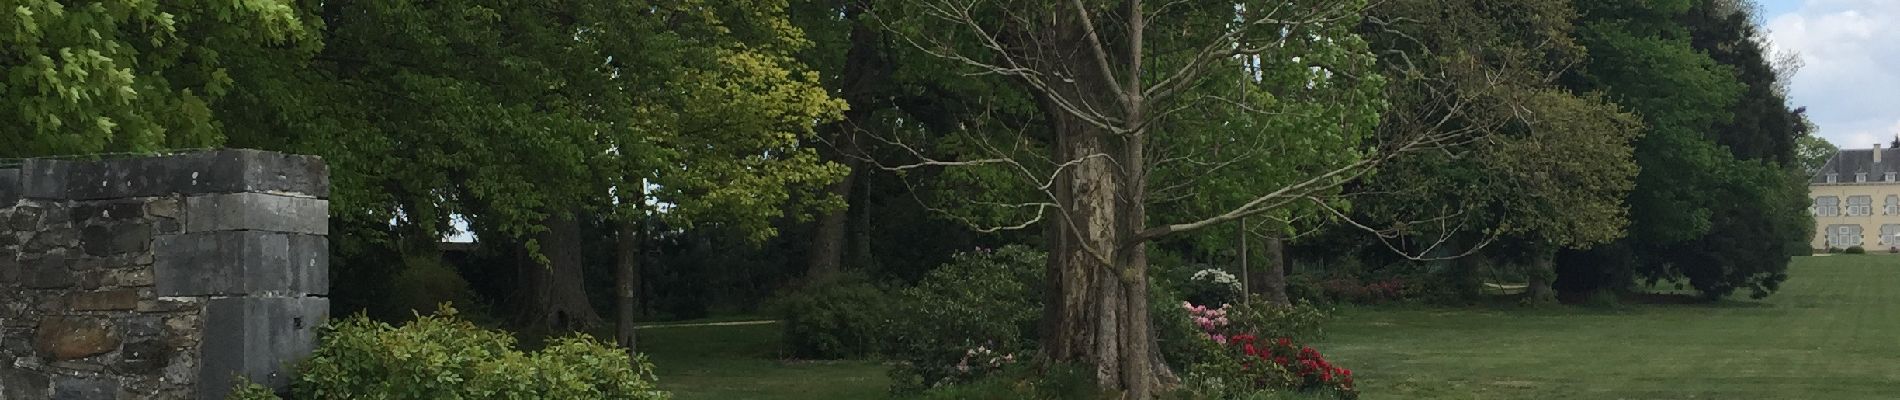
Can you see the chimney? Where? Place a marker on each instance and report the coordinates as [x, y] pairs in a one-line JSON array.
[[1876, 153]]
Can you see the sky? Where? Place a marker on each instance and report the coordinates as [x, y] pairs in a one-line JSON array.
[[1850, 51]]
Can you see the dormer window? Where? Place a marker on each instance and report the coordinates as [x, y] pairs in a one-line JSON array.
[[1832, 177], [1860, 177], [1890, 176]]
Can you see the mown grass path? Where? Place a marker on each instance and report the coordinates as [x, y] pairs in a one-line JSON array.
[[1832, 332], [728, 361]]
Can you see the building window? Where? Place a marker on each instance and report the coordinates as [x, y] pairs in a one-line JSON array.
[[1860, 177], [1831, 177], [1843, 236], [1827, 206], [1860, 206], [1890, 176], [1890, 235], [1893, 205]]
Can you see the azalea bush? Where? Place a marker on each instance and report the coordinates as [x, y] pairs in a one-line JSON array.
[[967, 319], [1241, 365]]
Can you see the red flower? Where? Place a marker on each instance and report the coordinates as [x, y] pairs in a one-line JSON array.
[[1285, 342], [1279, 360], [1249, 350], [1345, 372]]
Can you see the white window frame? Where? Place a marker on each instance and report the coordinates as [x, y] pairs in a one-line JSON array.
[[1832, 177], [1860, 177], [1891, 175], [1860, 209]]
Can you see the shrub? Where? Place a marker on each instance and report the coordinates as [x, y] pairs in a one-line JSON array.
[[1212, 286], [1060, 382], [847, 319], [968, 318], [1242, 366], [1856, 250], [442, 356]]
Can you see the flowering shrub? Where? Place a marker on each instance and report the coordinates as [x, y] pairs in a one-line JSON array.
[[1309, 369], [981, 307], [1244, 365], [1352, 290], [981, 360], [1212, 286], [1212, 321]]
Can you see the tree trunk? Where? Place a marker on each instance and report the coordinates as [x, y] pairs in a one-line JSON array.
[[1543, 270], [1273, 280], [553, 295], [864, 72], [1098, 313], [828, 238], [630, 246]]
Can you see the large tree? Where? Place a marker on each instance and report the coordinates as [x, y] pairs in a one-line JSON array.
[[1252, 107], [533, 119], [127, 76], [1709, 179]]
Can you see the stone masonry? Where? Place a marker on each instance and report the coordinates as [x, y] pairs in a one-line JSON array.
[[160, 277]]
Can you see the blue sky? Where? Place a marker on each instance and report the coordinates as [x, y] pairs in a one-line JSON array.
[[1850, 51]]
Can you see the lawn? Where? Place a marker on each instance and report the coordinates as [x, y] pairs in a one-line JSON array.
[[1833, 332], [741, 362]]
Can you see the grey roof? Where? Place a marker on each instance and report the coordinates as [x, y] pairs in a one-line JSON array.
[[1848, 162]]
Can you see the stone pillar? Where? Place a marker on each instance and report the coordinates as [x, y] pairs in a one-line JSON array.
[[160, 277]]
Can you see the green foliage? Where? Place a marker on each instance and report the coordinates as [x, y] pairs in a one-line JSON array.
[[1301, 320], [244, 389], [442, 356], [1812, 152], [422, 284], [987, 299], [1855, 250], [129, 75], [847, 319], [1025, 382]]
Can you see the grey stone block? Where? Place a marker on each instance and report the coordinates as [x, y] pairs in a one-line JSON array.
[[44, 179], [221, 171], [9, 186], [108, 240], [258, 338], [240, 262], [74, 388], [20, 383], [108, 211], [257, 211]]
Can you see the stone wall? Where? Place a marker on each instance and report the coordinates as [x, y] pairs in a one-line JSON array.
[[160, 277]]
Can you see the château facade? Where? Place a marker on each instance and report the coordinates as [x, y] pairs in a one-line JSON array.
[[1857, 200]]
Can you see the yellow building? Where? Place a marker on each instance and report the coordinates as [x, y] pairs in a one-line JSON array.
[[1857, 200]]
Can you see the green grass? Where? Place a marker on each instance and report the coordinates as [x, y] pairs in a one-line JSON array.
[[1832, 332], [741, 362]]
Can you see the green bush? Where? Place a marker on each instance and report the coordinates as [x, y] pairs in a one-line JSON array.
[[445, 357], [1023, 382], [847, 319], [1299, 320], [973, 316], [1856, 250]]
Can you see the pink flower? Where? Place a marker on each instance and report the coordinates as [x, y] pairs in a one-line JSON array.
[[1220, 321], [1219, 339], [1186, 305]]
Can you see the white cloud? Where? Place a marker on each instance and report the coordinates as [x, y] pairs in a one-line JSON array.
[[1850, 81]]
